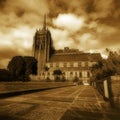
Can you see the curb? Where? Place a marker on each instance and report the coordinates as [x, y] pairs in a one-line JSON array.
[[17, 93]]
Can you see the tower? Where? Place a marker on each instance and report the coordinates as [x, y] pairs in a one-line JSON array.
[[42, 46]]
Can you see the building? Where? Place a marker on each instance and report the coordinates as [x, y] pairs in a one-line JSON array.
[[72, 62]]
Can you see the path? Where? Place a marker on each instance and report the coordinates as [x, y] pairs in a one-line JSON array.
[[68, 103]]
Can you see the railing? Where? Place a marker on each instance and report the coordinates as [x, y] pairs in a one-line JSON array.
[[107, 88], [103, 87]]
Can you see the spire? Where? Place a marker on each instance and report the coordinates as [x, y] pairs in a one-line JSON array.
[[44, 25]]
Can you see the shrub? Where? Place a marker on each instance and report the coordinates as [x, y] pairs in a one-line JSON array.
[[5, 75]]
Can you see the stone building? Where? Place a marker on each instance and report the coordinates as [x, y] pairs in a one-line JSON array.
[[72, 62]]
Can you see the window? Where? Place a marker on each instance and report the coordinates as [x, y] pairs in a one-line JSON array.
[[80, 74], [71, 73], [43, 73], [65, 64], [71, 64], [88, 74], [48, 73], [75, 73], [57, 64], [51, 65], [79, 64], [86, 64], [83, 64]]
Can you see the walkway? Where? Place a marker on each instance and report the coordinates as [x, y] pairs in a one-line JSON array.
[[68, 103]]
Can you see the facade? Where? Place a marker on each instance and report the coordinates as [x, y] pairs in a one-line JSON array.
[[72, 62]]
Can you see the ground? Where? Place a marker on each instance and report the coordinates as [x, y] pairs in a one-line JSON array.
[[66, 103]]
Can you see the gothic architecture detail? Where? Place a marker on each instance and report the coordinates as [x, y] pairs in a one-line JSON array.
[[72, 62], [42, 46]]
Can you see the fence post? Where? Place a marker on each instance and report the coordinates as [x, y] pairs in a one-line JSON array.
[[106, 91]]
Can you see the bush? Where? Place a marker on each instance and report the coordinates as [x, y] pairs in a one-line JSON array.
[[21, 67], [5, 75], [48, 79], [107, 67], [57, 79], [76, 79], [63, 79]]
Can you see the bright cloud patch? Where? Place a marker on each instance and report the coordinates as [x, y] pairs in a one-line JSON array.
[[69, 22], [61, 38]]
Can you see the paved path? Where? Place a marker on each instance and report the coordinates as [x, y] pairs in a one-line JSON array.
[[68, 103]]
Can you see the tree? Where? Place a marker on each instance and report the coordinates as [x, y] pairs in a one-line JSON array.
[[57, 74], [5, 75], [31, 65], [21, 67], [107, 67], [17, 66]]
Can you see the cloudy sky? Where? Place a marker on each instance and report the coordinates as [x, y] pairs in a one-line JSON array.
[[89, 25]]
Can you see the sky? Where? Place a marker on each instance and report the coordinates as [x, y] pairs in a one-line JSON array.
[[88, 25]]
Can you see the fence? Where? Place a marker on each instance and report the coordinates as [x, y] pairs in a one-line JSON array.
[[103, 88], [109, 88]]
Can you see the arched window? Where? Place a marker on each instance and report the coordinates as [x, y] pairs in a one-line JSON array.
[[71, 73], [80, 74], [43, 73], [88, 74], [75, 73]]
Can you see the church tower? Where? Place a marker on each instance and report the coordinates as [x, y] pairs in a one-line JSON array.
[[42, 46]]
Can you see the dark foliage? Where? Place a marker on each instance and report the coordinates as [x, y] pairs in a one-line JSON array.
[[21, 67], [59, 76], [57, 72], [31, 65], [76, 79], [5, 75], [17, 66], [107, 67], [48, 79]]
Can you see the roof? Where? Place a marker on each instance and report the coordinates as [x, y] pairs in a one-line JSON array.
[[75, 57]]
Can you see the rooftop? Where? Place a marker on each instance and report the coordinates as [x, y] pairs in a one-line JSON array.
[[69, 55]]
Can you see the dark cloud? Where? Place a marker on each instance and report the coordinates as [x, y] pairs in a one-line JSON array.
[[19, 19], [2, 3]]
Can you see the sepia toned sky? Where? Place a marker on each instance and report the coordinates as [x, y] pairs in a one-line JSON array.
[[89, 25]]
